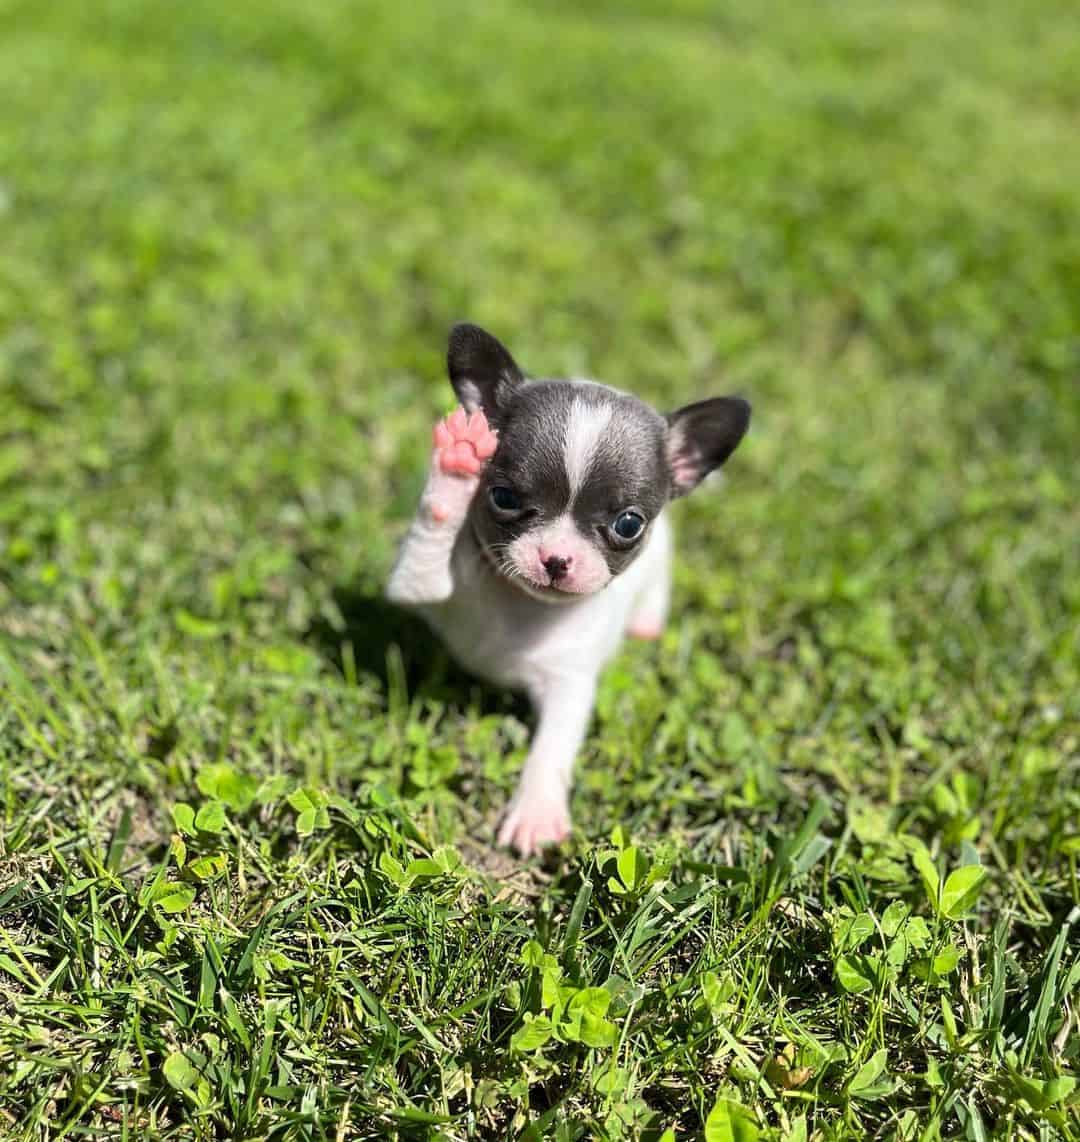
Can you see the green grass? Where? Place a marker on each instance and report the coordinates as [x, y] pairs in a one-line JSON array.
[[233, 238]]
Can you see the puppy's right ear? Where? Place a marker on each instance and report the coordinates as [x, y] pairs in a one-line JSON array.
[[481, 370]]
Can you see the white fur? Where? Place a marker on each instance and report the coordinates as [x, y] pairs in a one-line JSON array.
[[421, 573], [587, 572], [502, 633], [584, 429], [511, 638]]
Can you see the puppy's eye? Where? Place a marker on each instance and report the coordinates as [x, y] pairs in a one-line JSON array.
[[505, 499], [628, 525]]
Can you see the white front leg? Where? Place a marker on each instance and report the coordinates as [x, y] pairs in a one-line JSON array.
[[539, 813], [422, 573]]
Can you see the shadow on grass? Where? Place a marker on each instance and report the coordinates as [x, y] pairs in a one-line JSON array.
[[394, 645]]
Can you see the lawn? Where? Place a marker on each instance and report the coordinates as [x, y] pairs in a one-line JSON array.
[[824, 877]]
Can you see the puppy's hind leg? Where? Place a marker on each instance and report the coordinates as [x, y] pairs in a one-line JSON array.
[[650, 610]]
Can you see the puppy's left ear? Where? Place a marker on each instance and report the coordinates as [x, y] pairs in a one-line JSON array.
[[481, 370], [701, 437]]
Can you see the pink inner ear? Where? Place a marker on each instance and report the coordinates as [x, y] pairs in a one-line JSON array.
[[684, 460], [685, 468]]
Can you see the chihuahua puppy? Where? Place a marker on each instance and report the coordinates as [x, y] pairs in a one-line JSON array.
[[541, 538]]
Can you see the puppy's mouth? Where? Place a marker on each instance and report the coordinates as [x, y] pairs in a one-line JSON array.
[[550, 592], [507, 570], [546, 591]]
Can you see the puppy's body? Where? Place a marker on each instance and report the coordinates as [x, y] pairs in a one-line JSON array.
[[552, 652], [533, 552], [513, 639]]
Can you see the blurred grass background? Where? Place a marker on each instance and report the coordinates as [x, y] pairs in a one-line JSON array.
[[231, 242]]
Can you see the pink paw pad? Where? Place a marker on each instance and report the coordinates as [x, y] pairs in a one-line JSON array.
[[646, 629], [464, 442]]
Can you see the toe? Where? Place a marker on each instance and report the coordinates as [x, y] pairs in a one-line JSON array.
[[465, 457], [528, 831], [459, 459], [506, 832], [443, 439], [457, 422], [486, 445]]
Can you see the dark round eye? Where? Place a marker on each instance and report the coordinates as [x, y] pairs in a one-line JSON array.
[[628, 525], [505, 499]]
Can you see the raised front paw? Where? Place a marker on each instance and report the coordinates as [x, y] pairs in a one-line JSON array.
[[535, 820], [464, 443]]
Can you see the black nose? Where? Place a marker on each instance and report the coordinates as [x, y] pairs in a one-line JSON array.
[[556, 566]]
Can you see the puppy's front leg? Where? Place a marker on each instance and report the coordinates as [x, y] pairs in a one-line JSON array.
[[421, 573], [539, 813]]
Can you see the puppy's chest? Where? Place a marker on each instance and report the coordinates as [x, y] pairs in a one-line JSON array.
[[503, 635]]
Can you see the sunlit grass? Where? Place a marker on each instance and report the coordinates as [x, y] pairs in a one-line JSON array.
[[247, 883]]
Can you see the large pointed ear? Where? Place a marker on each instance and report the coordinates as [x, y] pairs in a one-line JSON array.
[[701, 437], [481, 369]]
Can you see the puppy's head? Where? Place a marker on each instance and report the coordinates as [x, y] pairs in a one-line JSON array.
[[581, 470]]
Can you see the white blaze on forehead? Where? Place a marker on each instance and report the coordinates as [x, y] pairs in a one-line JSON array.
[[584, 429]]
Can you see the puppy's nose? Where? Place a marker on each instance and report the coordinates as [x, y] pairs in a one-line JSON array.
[[557, 566]]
